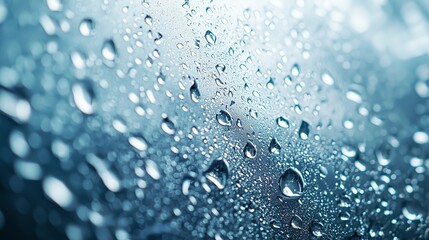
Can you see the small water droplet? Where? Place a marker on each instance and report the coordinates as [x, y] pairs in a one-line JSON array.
[[195, 93], [217, 173], [250, 150], [109, 50], [86, 27], [274, 146], [291, 183], [168, 126], [420, 137], [304, 130], [84, 96], [224, 118], [210, 37]]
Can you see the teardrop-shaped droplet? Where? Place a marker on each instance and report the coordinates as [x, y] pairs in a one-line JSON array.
[[270, 83], [274, 146], [109, 50], [217, 173], [316, 228], [195, 93], [304, 130], [296, 222], [220, 68], [84, 96], [86, 27], [168, 126], [282, 122], [291, 183], [295, 70], [210, 37], [224, 118], [250, 150]]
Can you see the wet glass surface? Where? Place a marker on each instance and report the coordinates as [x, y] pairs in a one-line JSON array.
[[145, 119]]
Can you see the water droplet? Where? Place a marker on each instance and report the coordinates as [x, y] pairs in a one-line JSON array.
[[296, 222], [274, 146], [291, 183], [110, 180], [316, 228], [349, 151], [109, 50], [152, 169], [195, 93], [217, 173], [58, 192], [220, 68], [327, 79], [282, 122], [295, 70], [250, 150], [224, 118], [148, 20], [275, 224], [138, 143], [304, 130], [210, 37], [54, 5], [270, 83], [168, 126], [420, 137], [344, 216], [86, 27], [15, 107], [412, 211], [354, 96], [384, 154], [120, 125], [84, 96]]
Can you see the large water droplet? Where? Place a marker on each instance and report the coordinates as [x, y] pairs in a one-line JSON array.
[[168, 126], [217, 173], [224, 118], [86, 27], [412, 211], [304, 130], [316, 228], [210, 37], [109, 50], [195, 93], [327, 79], [282, 122], [296, 222], [274, 146], [250, 150], [291, 183], [295, 70], [58, 192], [84, 96]]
